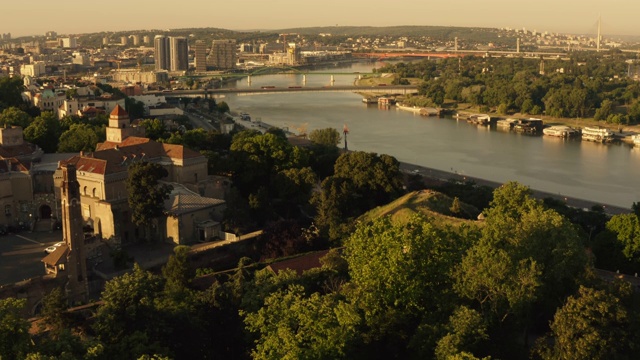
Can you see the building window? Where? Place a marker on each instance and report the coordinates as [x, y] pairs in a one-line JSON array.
[[94, 192], [7, 210], [84, 191]]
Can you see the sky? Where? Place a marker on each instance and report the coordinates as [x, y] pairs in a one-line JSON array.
[[78, 17]]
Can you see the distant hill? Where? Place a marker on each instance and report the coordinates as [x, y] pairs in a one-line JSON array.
[[427, 202], [435, 32]]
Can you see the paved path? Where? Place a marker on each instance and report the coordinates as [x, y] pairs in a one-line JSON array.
[[446, 176]]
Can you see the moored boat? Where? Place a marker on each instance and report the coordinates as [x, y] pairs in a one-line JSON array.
[[560, 131], [597, 134], [506, 124], [480, 119], [636, 139], [529, 126]]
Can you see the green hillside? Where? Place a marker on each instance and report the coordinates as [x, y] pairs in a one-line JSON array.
[[427, 202]]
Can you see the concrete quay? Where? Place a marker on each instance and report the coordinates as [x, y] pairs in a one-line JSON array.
[[439, 175]]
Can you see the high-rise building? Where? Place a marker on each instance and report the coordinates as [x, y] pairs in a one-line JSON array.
[[124, 40], [136, 39], [51, 34], [201, 56], [179, 53], [223, 54], [69, 43], [146, 39], [162, 54]]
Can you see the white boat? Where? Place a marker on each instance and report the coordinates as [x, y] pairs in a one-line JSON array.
[[636, 139], [560, 131], [480, 119], [597, 134]]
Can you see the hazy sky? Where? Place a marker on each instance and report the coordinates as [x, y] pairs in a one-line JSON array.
[[75, 16]]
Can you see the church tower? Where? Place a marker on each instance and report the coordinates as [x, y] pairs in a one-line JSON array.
[[72, 234], [119, 125]]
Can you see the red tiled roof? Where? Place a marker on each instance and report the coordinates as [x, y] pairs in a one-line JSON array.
[[119, 111], [300, 263]]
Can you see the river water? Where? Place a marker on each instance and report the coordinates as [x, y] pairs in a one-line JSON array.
[[606, 174]]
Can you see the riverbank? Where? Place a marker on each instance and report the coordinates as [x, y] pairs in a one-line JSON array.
[[444, 176]]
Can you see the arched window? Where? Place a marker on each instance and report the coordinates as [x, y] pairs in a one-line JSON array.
[[94, 192], [84, 191]]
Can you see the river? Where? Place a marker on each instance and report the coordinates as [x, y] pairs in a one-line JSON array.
[[605, 174]]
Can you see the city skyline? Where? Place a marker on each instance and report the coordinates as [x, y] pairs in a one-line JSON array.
[[75, 17]]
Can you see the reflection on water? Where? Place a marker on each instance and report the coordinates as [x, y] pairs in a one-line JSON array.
[[602, 173]]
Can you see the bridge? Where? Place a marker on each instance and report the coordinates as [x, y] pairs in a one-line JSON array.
[[383, 89]]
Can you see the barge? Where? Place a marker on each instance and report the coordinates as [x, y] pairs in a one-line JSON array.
[[560, 131], [597, 134]]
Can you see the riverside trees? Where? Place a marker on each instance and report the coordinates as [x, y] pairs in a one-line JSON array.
[[584, 85]]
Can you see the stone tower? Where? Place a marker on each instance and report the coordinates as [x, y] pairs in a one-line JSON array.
[[72, 234], [119, 125]]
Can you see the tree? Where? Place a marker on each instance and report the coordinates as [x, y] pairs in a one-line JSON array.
[[593, 324], [11, 92], [626, 227], [176, 272], [14, 117], [293, 326], [54, 306], [128, 322], [466, 331], [400, 282], [154, 128], [528, 258], [44, 131], [327, 137], [146, 194], [80, 137], [14, 329]]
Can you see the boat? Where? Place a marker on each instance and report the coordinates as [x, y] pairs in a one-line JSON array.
[[597, 134], [480, 119], [560, 131], [370, 100], [636, 139], [528, 126], [506, 124]]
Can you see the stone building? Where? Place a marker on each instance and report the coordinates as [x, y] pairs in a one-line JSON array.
[[102, 179]]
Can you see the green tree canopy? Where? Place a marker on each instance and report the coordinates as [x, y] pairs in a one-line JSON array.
[[146, 195], [13, 116], [292, 325], [44, 131], [327, 137], [14, 329], [80, 137]]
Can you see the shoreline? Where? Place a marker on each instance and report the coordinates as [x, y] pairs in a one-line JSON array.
[[444, 176]]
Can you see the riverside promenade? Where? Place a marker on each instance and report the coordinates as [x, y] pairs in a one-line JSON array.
[[439, 175]]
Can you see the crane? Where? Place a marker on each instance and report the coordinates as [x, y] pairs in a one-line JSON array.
[[284, 40]]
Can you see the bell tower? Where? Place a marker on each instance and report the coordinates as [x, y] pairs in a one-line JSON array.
[[119, 125], [72, 234]]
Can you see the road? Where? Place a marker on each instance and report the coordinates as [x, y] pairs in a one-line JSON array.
[[452, 175], [21, 254]]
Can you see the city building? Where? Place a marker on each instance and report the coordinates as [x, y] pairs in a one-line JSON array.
[[137, 76], [69, 43], [179, 50], [101, 175], [146, 39], [34, 70], [223, 54], [162, 56], [201, 56], [51, 34], [135, 39]]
